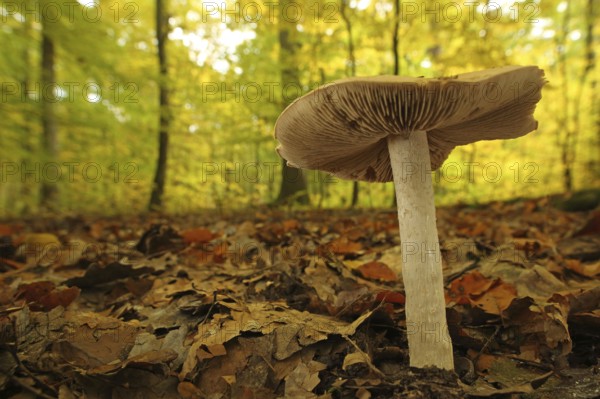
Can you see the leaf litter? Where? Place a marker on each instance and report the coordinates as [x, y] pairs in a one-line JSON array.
[[273, 304]]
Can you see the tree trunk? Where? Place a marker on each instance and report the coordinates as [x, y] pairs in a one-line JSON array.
[[590, 62], [351, 71], [396, 55], [162, 31], [396, 38], [49, 190], [293, 183], [28, 189], [565, 117], [591, 57]]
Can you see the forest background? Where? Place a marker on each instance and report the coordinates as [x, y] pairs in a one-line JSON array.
[[111, 107]]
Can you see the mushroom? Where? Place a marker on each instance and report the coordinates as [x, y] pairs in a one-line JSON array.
[[388, 128]]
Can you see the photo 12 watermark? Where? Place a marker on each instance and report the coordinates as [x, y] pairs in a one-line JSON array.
[[115, 92], [269, 12], [256, 172], [329, 12], [467, 11], [68, 172], [70, 11], [471, 172], [449, 172], [484, 93]]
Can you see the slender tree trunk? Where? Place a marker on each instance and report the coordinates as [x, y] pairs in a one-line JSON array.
[[162, 31], [396, 55], [593, 15], [293, 183], [565, 117], [49, 190], [27, 143], [590, 62], [350, 71], [396, 39], [351, 67]]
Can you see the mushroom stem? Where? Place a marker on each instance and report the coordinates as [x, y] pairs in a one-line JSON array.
[[429, 342]]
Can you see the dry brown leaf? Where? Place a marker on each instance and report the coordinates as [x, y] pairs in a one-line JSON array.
[[505, 376], [585, 269], [529, 246], [211, 378], [290, 225], [496, 299], [146, 359], [292, 329], [343, 246], [40, 249], [476, 229], [500, 234], [491, 295], [12, 264], [7, 229], [187, 390], [302, 380], [592, 227], [390, 297], [45, 296], [377, 271], [197, 235], [362, 393], [461, 289], [541, 327], [353, 358]]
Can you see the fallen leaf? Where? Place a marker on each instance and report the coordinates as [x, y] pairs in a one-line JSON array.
[[302, 380], [187, 390], [592, 227], [98, 274], [505, 376], [353, 358], [45, 296], [461, 289], [290, 225], [143, 360], [584, 269], [198, 235], [377, 271], [343, 246], [7, 230], [585, 248], [40, 249], [390, 297], [490, 295], [496, 299]]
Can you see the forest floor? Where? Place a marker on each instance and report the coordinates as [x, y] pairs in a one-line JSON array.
[[269, 304]]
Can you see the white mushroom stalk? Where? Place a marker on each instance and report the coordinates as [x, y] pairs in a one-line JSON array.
[[429, 342]]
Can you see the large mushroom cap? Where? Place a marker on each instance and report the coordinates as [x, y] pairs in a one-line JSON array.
[[342, 127]]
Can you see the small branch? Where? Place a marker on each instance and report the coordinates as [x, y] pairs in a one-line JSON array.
[[36, 392], [366, 357], [487, 343], [13, 351]]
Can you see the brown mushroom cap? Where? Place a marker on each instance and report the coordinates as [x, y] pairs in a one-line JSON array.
[[342, 127]]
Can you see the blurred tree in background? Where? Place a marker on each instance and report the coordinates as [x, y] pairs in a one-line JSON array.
[[80, 110]]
